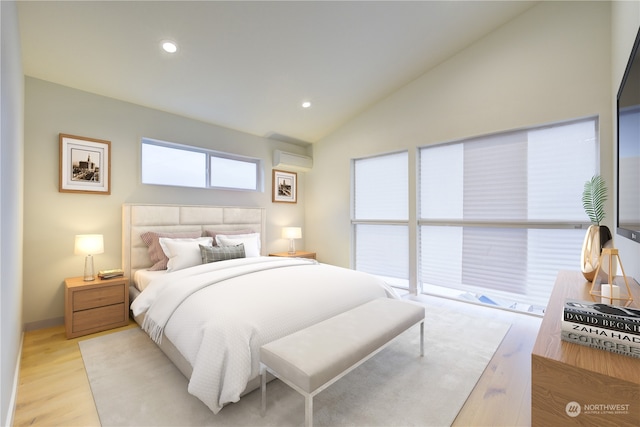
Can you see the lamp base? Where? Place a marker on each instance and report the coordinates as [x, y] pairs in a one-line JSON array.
[[88, 269], [292, 247]]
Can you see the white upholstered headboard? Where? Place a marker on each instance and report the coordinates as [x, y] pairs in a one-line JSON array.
[[140, 218]]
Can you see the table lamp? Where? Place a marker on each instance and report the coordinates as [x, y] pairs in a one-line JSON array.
[[292, 233], [89, 245]]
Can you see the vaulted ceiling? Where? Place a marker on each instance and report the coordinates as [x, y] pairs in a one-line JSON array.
[[250, 65]]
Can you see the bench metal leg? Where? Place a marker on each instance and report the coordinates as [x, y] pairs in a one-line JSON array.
[[421, 339], [263, 388], [308, 410]]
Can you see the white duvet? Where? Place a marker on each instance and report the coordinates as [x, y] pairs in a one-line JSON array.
[[218, 315]]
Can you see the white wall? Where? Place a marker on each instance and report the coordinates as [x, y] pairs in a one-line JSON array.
[[625, 21], [52, 219], [11, 190], [551, 63]]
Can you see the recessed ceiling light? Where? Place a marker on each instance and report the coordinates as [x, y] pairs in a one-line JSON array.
[[306, 104], [169, 46]]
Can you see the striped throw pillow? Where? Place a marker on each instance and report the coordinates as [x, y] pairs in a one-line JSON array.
[[157, 255]]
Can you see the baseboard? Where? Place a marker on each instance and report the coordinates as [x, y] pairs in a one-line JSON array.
[[42, 324], [14, 390]]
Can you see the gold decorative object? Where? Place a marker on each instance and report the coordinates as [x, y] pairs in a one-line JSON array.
[[610, 253], [596, 236]]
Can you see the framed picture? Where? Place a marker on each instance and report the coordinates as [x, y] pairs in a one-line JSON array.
[[85, 165], [285, 187]]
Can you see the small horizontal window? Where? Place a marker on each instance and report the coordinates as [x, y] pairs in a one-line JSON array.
[[165, 163], [173, 166], [233, 173]]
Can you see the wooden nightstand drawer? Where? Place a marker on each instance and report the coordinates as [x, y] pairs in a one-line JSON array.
[[95, 306], [91, 298], [101, 317]]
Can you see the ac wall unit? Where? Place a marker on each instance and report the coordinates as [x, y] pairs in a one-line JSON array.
[[291, 161]]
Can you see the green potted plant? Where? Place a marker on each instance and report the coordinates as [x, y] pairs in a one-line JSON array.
[[594, 196]]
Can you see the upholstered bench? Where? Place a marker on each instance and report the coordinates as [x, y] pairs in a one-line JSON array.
[[312, 359]]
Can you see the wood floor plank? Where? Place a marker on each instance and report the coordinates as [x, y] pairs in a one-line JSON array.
[[54, 389], [502, 396]]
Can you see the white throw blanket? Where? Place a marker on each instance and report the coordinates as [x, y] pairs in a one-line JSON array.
[[159, 313], [219, 315]]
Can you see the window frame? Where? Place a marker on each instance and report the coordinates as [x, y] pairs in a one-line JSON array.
[[259, 168]]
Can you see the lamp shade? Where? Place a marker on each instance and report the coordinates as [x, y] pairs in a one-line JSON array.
[[89, 244], [291, 233]]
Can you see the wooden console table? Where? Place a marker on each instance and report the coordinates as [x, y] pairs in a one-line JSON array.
[[604, 384]]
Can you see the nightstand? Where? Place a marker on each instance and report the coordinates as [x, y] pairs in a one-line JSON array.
[[95, 306], [298, 254]]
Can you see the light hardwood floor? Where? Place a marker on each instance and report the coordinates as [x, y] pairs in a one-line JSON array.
[[54, 389]]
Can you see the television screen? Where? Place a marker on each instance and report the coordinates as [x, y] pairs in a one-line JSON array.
[[629, 148]]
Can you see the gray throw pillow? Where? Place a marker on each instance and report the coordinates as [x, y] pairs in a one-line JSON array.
[[221, 253]]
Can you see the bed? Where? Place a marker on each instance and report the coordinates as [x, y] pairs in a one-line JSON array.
[[211, 318]]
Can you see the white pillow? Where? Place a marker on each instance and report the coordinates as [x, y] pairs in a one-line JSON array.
[[183, 253], [251, 242]]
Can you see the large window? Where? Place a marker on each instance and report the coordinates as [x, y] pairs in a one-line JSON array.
[[380, 217], [165, 163], [500, 215]]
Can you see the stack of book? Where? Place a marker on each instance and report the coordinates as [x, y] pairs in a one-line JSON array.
[[109, 274], [602, 326]]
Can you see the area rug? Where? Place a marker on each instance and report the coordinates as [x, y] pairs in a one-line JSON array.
[[135, 384]]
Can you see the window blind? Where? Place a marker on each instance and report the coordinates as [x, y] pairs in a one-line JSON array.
[[380, 217], [498, 214], [383, 250], [381, 187]]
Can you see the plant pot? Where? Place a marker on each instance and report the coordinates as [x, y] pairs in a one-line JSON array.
[[595, 239]]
